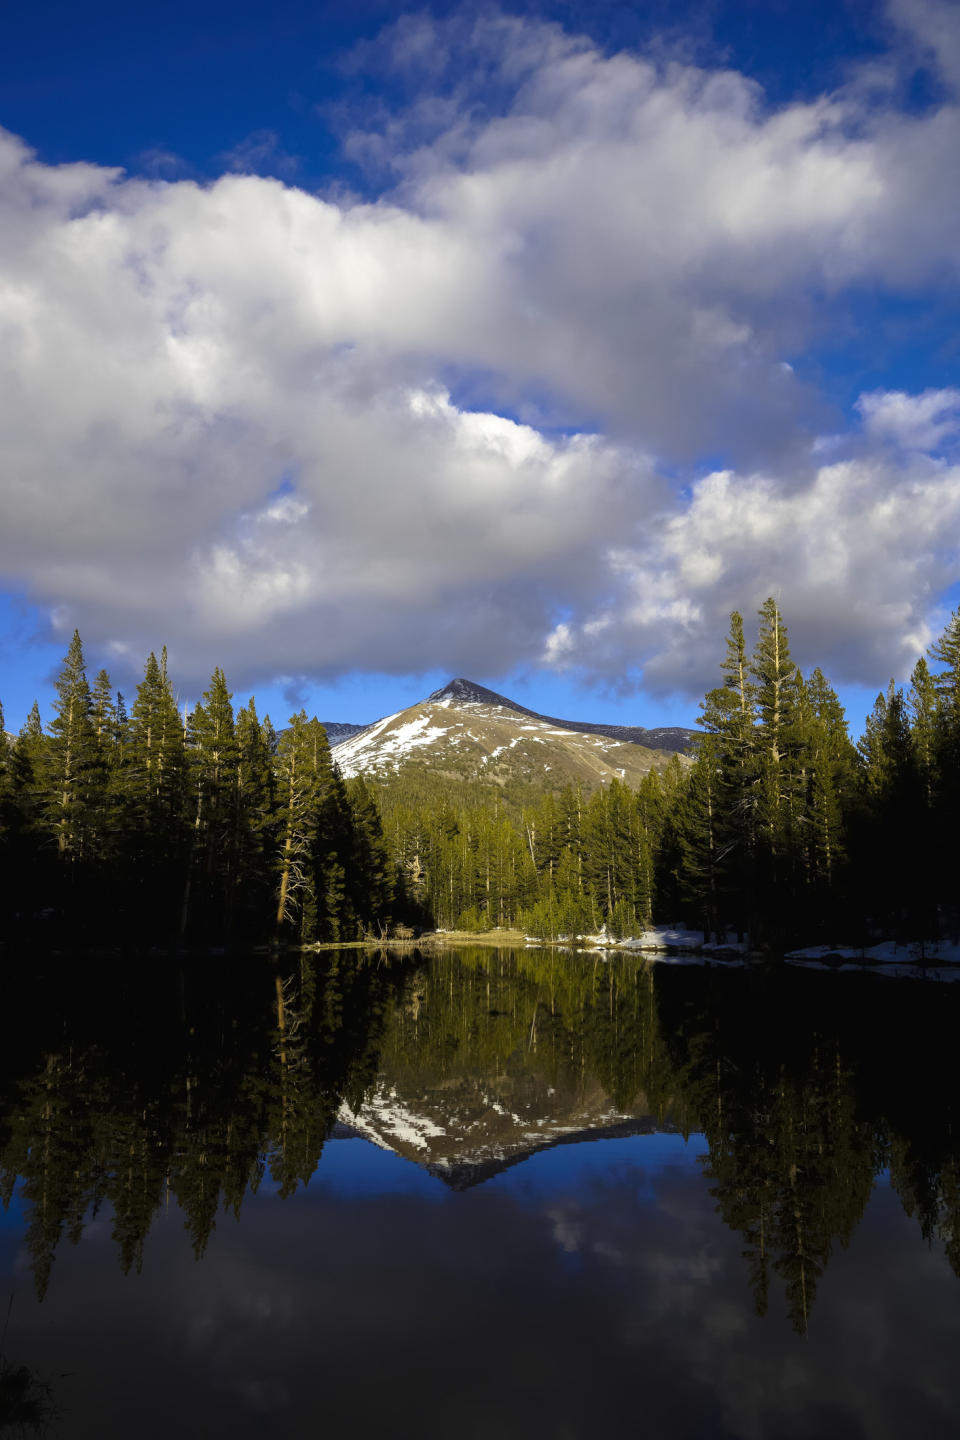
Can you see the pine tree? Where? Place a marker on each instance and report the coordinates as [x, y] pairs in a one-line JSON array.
[[71, 774], [897, 889], [834, 776], [216, 843], [946, 766], [372, 883], [103, 711], [728, 713], [299, 793], [27, 763], [923, 708], [699, 838], [150, 782], [775, 677], [256, 801], [337, 917], [946, 652], [6, 780]]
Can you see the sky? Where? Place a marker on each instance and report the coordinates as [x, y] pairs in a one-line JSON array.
[[351, 348]]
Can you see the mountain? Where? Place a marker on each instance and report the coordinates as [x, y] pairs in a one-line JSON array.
[[340, 730], [465, 732], [671, 738], [488, 1058], [467, 1131]]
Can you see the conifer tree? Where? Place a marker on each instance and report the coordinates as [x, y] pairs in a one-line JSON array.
[[896, 888], [946, 652], [923, 724], [336, 916], [256, 799], [155, 770], [372, 884], [775, 677], [70, 776], [299, 792], [6, 782], [217, 821], [150, 780], [834, 777], [729, 714], [103, 711], [27, 758], [946, 764], [699, 838]]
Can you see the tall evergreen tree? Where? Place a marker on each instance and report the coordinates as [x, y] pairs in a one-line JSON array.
[[71, 771], [255, 806], [299, 793], [372, 871], [923, 708], [217, 820], [728, 713], [699, 830], [946, 762], [151, 783], [6, 782], [946, 652], [775, 677]]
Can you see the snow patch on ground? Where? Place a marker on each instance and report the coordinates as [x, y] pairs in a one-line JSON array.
[[888, 952], [667, 938]]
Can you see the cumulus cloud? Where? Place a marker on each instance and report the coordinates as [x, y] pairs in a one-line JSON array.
[[858, 555], [915, 422], [238, 417]]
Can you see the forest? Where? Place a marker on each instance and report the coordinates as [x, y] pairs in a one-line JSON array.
[[209, 826], [206, 827], [782, 829]]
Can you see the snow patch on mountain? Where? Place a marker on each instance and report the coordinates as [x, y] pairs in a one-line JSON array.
[[465, 731], [387, 1122]]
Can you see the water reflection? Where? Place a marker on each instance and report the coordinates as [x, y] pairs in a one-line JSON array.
[[134, 1102]]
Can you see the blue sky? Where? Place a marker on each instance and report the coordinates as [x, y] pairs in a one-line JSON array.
[[522, 342]]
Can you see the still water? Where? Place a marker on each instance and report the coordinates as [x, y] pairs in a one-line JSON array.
[[485, 1194]]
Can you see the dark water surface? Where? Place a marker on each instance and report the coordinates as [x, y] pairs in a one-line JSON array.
[[486, 1194]]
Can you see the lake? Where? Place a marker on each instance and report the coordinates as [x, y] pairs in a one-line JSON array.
[[484, 1193]]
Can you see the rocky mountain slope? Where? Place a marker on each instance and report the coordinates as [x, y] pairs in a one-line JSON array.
[[467, 732], [467, 1131], [340, 730]]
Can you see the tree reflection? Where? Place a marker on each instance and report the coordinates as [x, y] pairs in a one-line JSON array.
[[144, 1091]]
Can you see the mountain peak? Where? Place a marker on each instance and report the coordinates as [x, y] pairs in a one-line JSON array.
[[466, 732], [467, 692]]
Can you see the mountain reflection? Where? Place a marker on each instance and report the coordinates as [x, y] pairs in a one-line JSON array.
[[131, 1087]]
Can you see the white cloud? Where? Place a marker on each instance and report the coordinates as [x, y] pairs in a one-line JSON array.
[[858, 553], [915, 422], [934, 27], [609, 246]]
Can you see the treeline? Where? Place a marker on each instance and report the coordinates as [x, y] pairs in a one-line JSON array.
[[206, 825], [566, 864], [782, 828], [212, 827], [787, 828]]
